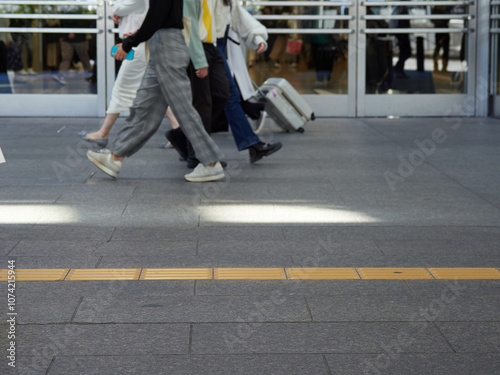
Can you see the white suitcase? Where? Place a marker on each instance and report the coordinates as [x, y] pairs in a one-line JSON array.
[[285, 105]]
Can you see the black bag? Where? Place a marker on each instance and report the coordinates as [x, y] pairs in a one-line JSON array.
[[14, 57]]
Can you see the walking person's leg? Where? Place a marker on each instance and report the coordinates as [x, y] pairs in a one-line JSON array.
[[146, 114], [202, 102], [210, 95], [165, 80], [219, 85], [66, 56], [82, 51], [28, 42], [176, 88], [124, 91], [173, 121], [446, 51], [244, 136]]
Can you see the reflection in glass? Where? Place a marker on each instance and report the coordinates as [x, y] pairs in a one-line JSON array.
[[416, 63], [495, 49], [47, 63], [312, 63]]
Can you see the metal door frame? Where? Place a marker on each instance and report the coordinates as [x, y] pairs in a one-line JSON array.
[[339, 105], [70, 105], [356, 103], [494, 31], [353, 104], [109, 38], [334, 105], [374, 105]]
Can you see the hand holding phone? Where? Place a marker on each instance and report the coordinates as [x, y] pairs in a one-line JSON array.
[[129, 56]]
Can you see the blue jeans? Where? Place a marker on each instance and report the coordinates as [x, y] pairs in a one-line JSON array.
[[243, 133]]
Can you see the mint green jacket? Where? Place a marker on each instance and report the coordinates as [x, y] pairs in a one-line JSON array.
[[192, 13]]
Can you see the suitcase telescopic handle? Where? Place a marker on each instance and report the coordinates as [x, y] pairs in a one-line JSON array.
[[258, 89]]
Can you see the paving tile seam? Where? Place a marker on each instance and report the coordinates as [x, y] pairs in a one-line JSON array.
[[172, 354], [250, 323], [245, 273], [247, 354]]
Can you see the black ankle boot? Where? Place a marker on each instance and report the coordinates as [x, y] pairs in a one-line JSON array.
[[261, 149]]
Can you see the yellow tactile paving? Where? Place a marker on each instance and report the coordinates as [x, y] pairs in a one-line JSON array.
[[394, 273], [104, 274], [176, 274], [34, 274], [321, 273], [465, 273], [367, 273], [249, 274]]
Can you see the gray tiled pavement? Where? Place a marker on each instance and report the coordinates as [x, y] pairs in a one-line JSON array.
[[324, 200]]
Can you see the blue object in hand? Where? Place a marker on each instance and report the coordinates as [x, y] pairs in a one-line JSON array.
[[129, 56]]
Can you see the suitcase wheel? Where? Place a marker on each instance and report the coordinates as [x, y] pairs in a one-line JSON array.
[[313, 116], [300, 130]]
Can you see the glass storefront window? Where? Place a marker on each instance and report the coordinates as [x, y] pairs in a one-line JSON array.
[[46, 61], [420, 61], [312, 63], [495, 48]]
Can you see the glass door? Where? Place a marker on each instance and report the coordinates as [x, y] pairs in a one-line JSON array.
[[495, 57], [416, 58], [373, 58], [347, 58], [54, 58], [312, 44]]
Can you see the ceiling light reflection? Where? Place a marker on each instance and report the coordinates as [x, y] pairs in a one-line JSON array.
[[37, 214], [260, 213]]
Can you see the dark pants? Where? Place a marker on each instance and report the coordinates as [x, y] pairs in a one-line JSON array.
[[324, 55], [25, 39], [377, 63], [442, 41], [404, 51], [165, 83], [4, 79], [243, 133], [211, 93]]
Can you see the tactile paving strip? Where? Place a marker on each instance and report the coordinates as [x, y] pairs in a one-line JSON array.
[[394, 273], [367, 273], [104, 274], [176, 274], [321, 273], [34, 274], [249, 274], [465, 273]]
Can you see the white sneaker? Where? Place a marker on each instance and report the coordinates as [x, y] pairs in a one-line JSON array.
[[31, 71], [103, 160], [205, 174]]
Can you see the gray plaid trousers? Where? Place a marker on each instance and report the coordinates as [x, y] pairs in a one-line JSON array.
[[165, 83]]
